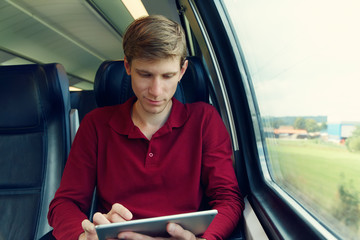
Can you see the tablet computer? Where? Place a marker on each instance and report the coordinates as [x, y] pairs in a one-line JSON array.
[[195, 222]]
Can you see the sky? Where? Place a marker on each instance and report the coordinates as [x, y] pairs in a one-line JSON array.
[[304, 56]]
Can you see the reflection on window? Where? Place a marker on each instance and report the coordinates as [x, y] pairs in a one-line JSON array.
[[303, 59]]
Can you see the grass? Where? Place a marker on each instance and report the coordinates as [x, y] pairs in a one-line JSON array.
[[313, 171]]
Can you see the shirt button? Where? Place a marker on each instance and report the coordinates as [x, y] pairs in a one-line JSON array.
[[151, 155]]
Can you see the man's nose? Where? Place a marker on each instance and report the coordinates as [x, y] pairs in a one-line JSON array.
[[155, 87]]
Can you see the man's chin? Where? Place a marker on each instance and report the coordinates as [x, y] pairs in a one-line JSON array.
[[155, 109]]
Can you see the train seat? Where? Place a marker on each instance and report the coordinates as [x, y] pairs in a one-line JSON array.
[[34, 145], [83, 101], [113, 85]]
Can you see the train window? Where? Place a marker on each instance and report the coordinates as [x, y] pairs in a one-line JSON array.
[[302, 59]]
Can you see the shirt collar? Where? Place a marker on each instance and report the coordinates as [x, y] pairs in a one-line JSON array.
[[121, 119]]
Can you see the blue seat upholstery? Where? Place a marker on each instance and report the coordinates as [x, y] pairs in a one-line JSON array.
[[83, 101], [113, 85], [34, 145], [195, 82]]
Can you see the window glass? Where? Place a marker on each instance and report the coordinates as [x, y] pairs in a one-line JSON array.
[[303, 58]]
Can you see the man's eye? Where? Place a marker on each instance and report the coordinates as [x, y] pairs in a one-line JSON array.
[[168, 76], [144, 75]]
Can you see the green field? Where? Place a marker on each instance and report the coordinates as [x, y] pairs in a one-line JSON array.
[[313, 171]]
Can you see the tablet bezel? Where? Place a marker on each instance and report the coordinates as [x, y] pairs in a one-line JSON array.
[[195, 222]]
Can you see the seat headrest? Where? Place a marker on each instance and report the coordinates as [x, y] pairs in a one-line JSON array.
[[18, 88], [23, 90], [195, 81], [113, 86]]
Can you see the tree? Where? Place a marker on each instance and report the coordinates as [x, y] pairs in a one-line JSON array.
[[353, 142], [348, 208], [276, 123], [311, 125], [323, 126], [299, 123], [356, 132]]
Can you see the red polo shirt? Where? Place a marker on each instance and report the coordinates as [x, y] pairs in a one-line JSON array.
[[189, 157]]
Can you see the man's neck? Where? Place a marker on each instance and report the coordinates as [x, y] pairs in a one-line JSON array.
[[149, 123]]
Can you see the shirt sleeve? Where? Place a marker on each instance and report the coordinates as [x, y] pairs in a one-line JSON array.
[[73, 198], [219, 179]]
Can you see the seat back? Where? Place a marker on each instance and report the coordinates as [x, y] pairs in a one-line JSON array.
[[83, 101], [113, 85], [34, 145]]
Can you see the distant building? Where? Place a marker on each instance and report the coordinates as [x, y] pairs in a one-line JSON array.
[[339, 132], [290, 132]]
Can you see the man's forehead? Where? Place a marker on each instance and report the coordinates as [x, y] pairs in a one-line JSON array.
[[162, 65], [158, 59]]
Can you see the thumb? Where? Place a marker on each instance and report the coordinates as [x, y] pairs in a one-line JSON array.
[[89, 229], [176, 231]]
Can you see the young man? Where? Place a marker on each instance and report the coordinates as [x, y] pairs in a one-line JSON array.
[[151, 156]]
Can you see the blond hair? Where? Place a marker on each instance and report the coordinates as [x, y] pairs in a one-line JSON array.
[[154, 37]]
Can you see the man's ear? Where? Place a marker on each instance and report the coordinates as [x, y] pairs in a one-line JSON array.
[[127, 66], [183, 68]]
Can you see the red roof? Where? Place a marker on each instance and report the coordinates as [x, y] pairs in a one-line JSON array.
[[285, 130]]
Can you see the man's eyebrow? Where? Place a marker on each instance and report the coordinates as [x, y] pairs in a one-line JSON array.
[[141, 70], [145, 71], [170, 73]]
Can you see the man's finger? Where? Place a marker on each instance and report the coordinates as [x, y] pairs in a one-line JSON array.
[[119, 213], [89, 230], [88, 226], [176, 231], [100, 218], [133, 236]]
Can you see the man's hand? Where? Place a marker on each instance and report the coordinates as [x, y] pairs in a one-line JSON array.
[[175, 231], [118, 213]]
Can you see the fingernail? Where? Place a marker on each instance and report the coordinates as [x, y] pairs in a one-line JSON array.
[[121, 236], [171, 227], [129, 216]]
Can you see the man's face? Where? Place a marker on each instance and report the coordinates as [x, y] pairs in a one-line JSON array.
[[154, 82]]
